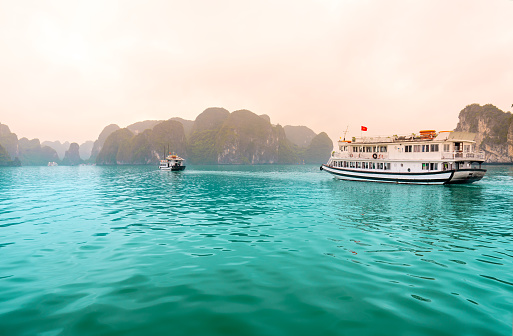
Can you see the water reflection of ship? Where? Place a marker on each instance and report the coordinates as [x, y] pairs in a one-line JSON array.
[[449, 211]]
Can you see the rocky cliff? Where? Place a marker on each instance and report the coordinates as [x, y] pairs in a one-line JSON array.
[[494, 130], [246, 138], [9, 141], [98, 144], [319, 149], [72, 156], [59, 147], [24, 151], [240, 137], [33, 154], [125, 147], [5, 159]]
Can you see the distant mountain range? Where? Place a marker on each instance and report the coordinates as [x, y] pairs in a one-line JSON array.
[[215, 137]]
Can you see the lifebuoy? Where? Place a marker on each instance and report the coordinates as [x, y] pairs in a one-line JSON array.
[[350, 155], [374, 156]]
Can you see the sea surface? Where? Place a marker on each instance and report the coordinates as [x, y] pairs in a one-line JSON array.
[[251, 250]]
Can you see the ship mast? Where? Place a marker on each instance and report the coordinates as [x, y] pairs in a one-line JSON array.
[[346, 132]]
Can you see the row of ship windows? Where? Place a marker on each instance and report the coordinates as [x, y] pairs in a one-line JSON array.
[[364, 165], [422, 148], [364, 149], [379, 165]]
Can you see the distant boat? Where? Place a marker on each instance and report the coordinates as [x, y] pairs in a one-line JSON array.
[[172, 162], [52, 164], [431, 158]]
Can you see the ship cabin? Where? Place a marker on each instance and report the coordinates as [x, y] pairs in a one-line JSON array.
[[425, 152]]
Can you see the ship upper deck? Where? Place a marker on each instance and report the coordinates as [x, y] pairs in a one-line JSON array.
[[424, 136]]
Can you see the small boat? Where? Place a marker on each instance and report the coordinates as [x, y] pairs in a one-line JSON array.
[[431, 157], [172, 162], [52, 164]]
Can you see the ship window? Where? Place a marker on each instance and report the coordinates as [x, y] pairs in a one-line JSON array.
[[387, 166], [425, 148], [382, 149], [368, 149], [433, 166], [407, 148], [416, 148], [466, 148], [447, 147], [358, 165], [355, 149], [434, 148], [425, 166], [374, 149]]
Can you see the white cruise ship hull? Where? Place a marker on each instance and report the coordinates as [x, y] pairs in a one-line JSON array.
[[436, 177]]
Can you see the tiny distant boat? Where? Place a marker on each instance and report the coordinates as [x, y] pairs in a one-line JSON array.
[[429, 158], [52, 164], [172, 162]]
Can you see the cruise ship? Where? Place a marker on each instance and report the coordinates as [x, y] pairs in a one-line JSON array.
[[429, 157], [172, 162]]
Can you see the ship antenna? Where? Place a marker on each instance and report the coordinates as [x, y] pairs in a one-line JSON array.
[[346, 132]]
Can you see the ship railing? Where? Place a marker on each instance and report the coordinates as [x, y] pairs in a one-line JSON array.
[[363, 155], [462, 155], [388, 138]]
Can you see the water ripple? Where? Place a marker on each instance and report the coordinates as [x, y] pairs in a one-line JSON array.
[[250, 250]]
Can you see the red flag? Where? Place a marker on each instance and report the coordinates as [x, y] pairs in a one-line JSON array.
[[364, 128]]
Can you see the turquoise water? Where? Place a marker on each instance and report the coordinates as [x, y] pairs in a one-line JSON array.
[[251, 250]]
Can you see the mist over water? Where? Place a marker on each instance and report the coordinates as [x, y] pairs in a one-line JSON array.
[[251, 250]]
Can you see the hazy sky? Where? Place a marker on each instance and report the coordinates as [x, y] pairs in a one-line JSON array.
[[69, 68]]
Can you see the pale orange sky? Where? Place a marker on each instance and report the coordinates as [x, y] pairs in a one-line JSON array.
[[69, 68]]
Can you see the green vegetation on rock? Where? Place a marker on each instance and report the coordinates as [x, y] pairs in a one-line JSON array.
[[111, 147], [33, 154], [216, 137], [72, 156], [148, 147], [319, 150], [494, 130], [98, 144], [5, 159]]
